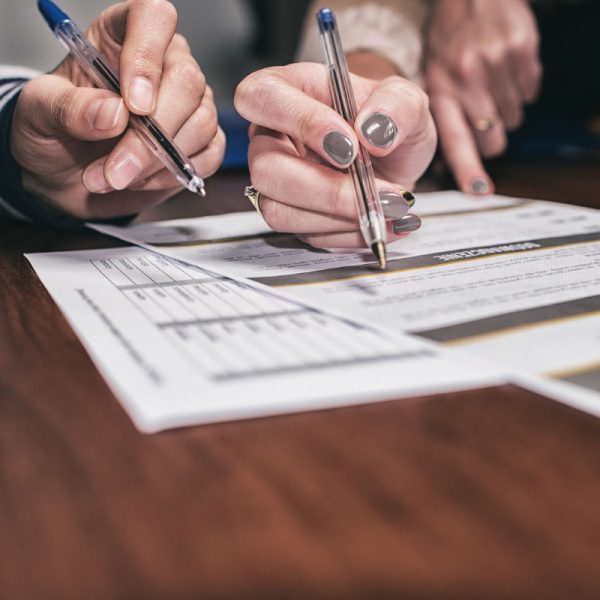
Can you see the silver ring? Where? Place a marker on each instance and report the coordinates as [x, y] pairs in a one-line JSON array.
[[254, 196]]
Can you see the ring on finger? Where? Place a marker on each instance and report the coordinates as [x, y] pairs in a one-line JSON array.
[[254, 196], [485, 124]]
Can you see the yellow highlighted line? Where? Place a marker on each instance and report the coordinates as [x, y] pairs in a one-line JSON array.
[[519, 328], [447, 264], [582, 370]]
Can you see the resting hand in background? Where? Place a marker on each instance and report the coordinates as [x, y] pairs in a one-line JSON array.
[[300, 148], [482, 68], [67, 135]]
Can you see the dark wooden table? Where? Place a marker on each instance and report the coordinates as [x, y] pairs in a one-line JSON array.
[[487, 494]]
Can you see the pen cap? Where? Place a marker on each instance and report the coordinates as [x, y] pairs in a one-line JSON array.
[[53, 15], [326, 20]]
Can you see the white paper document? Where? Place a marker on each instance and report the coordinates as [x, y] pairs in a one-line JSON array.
[[513, 281], [180, 345]]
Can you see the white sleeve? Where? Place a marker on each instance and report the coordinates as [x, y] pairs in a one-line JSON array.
[[392, 28]]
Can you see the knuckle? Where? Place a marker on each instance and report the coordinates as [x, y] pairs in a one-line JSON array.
[[180, 41], [209, 95], [517, 41], [188, 69], [220, 142], [190, 77], [466, 64], [253, 90], [495, 53], [205, 122], [216, 155]]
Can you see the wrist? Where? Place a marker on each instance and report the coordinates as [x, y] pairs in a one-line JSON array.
[[371, 65]]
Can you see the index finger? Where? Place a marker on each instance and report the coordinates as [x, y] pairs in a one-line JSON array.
[[291, 100], [459, 147], [145, 28]]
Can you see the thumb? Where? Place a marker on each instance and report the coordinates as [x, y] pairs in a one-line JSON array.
[[53, 106], [396, 112]]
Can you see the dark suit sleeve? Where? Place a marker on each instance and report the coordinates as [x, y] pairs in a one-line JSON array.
[[10, 177]]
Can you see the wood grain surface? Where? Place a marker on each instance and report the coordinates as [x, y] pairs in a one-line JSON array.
[[487, 494]]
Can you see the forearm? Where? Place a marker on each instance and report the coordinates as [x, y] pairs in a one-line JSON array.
[[381, 37], [370, 64]]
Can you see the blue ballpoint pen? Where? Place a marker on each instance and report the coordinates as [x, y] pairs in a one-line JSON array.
[[370, 212], [98, 69]]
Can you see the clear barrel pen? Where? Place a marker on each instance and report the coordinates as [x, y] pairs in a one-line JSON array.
[[97, 68], [370, 212]]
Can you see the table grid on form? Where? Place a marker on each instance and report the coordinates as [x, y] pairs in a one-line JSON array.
[[230, 330]]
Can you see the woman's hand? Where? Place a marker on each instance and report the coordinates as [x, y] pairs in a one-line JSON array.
[[300, 150], [68, 137], [483, 66]]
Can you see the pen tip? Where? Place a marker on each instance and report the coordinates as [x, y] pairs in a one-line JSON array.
[[381, 255], [196, 185]]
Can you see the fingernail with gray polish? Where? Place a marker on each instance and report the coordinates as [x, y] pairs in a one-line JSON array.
[[380, 130], [394, 205], [339, 147], [480, 186], [407, 224]]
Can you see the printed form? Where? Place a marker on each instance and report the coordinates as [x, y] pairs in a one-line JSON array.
[[180, 345], [513, 281]]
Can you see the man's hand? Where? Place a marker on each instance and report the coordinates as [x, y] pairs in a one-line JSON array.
[[70, 138]]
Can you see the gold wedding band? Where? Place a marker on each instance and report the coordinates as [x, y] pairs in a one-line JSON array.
[[485, 124], [254, 196]]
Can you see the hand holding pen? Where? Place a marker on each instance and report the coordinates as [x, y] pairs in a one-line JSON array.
[[301, 149], [67, 134], [369, 209]]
